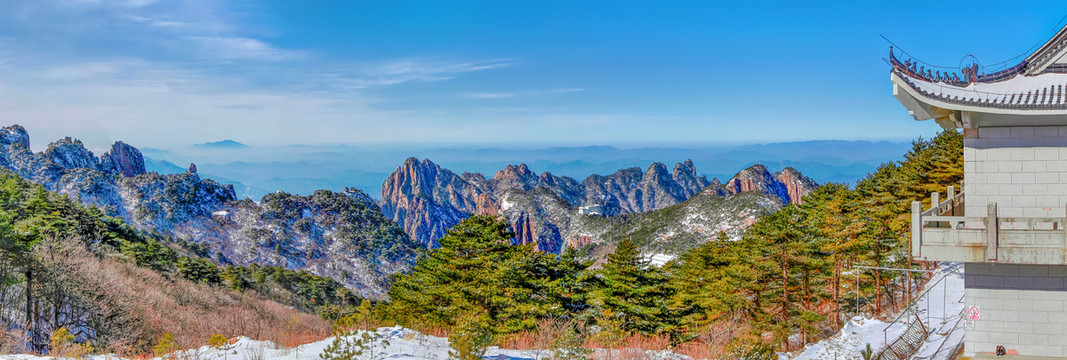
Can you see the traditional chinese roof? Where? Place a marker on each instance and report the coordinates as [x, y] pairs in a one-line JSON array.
[[1031, 92]]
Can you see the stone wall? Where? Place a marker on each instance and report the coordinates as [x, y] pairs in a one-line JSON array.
[[1022, 169], [1023, 308]]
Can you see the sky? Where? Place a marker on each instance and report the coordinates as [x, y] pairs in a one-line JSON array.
[[169, 74]]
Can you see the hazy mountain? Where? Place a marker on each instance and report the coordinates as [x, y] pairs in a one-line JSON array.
[[301, 169], [224, 144]]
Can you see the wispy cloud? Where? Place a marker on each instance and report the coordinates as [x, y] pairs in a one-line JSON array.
[[240, 48], [161, 22], [401, 71], [494, 95], [503, 95]]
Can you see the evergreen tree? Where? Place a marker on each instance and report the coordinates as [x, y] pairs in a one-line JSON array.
[[708, 283], [637, 292], [478, 270]]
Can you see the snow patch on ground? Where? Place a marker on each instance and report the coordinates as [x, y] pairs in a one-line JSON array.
[[402, 344], [658, 260]]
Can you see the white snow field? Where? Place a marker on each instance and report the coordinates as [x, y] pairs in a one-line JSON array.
[[939, 308]]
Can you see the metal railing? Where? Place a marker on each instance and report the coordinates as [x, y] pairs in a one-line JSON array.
[[916, 332]]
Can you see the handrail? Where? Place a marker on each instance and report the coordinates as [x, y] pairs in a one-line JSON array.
[[912, 310]]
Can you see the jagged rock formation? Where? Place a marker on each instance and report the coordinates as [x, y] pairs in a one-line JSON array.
[[342, 235], [788, 185], [796, 185], [123, 159], [543, 209]]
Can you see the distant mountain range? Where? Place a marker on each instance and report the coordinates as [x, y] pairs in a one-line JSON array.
[[303, 169], [557, 212], [224, 144]]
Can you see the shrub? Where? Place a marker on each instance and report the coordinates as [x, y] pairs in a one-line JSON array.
[[217, 341], [351, 345], [470, 338], [166, 345], [867, 353], [751, 350], [63, 345], [568, 341]]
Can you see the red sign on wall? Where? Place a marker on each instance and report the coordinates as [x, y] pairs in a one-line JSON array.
[[973, 313]]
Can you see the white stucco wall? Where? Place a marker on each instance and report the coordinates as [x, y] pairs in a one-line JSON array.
[[1023, 308], [1022, 169]]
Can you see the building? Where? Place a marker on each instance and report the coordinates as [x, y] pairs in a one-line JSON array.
[[591, 210], [1007, 223]]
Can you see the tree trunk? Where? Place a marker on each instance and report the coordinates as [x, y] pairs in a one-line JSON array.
[[29, 305], [837, 293], [877, 292]]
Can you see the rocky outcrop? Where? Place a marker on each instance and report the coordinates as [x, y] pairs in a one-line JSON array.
[[796, 185], [14, 135], [69, 153], [788, 185], [426, 199], [343, 235], [123, 159]]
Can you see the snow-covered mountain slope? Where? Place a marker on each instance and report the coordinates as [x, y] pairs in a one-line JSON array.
[[342, 235]]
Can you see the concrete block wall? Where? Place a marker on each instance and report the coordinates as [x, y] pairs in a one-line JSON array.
[[1022, 169], [1023, 308]]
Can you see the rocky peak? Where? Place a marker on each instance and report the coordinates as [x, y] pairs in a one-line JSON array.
[[14, 134], [70, 153], [788, 185], [685, 174], [796, 184], [754, 178], [546, 179], [685, 168], [123, 159], [516, 177], [512, 171], [360, 196], [656, 170]]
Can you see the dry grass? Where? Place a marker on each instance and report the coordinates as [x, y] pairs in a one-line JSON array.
[[141, 305], [12, 342]]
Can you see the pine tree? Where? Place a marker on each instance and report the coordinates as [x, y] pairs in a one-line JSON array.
[[637, 292], [478, 270], [708, 283]]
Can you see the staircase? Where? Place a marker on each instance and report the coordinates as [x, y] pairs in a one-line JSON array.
[[908, 343]]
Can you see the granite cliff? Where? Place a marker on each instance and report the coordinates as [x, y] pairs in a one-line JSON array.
[[553, 212]]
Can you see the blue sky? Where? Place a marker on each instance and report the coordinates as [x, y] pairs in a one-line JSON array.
[[174, 73]]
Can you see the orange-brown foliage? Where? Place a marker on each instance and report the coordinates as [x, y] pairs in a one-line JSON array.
[[146, 305]]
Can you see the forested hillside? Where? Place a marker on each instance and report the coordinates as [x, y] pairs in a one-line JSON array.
[[789, 280], [342, 235], [69, 268]]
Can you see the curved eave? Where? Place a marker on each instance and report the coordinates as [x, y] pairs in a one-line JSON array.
[[952, 115]]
